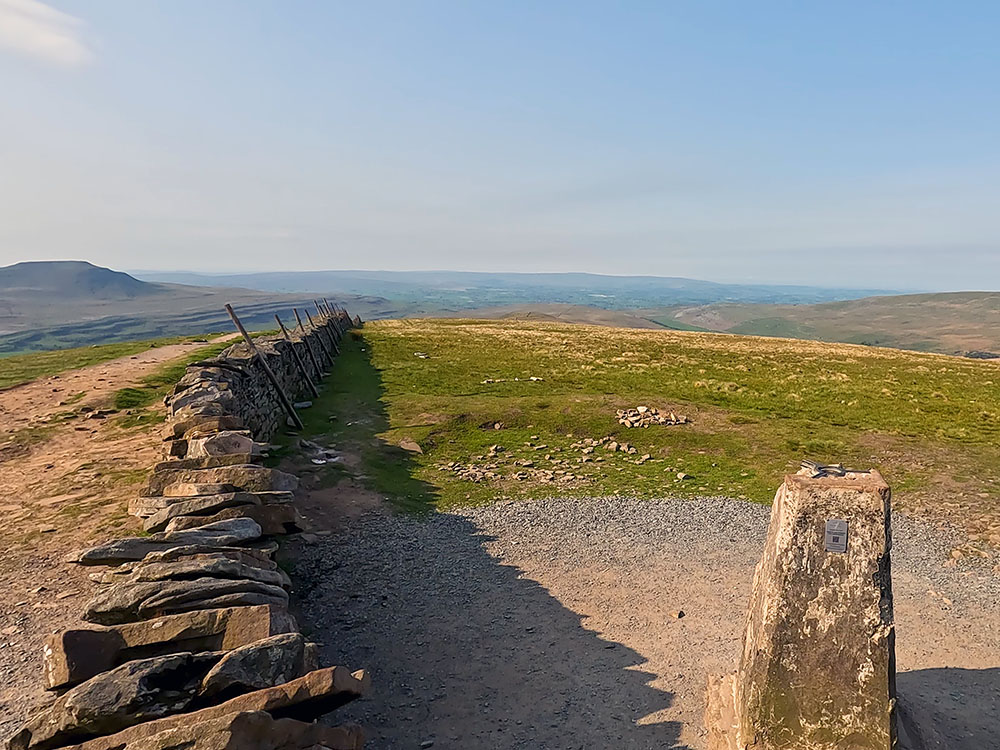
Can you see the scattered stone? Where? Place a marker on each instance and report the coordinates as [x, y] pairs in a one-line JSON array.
[[683, 477], [302, 404], [644, 416], [410, 445]]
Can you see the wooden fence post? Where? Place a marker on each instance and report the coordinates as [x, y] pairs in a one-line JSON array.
[[289, 409], [309, 348], [298, 359]]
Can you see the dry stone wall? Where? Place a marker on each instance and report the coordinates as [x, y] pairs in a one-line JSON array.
[[188, 640]]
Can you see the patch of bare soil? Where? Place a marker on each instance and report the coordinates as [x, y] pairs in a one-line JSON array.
[[64, 483]]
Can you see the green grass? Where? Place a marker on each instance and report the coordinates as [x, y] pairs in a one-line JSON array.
[[157, 384], [23, 368], [758, 406]]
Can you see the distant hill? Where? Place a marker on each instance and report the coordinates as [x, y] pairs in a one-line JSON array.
[[949, 323], [71, 279], [59, 304], [425, 292], [564, 313]]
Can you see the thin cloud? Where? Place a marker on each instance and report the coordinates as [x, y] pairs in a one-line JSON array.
[[37, 30]]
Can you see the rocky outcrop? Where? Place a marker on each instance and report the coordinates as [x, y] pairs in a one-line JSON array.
[[193, 645]]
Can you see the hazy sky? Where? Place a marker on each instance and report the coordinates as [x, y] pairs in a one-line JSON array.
[[827, 143]]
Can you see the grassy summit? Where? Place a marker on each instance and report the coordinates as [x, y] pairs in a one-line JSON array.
[[757, 405]]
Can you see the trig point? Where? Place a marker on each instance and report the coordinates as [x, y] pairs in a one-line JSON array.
[[818, 668]]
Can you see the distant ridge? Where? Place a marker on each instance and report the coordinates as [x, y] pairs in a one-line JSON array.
[[71, 279]]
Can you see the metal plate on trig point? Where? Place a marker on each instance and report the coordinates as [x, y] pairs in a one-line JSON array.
[[836, 535]]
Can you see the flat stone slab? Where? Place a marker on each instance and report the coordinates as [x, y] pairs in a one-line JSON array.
[[202, 505], [245, 477], [274, 520], [219, 534], [206, 565], [244, 730], [212, 462], [128, 602], [266, 663], [304, 699], [77, 654], [179, 427], [194, 489]]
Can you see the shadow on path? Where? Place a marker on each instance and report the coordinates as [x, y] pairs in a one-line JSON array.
[[960, 706], [462, 650]]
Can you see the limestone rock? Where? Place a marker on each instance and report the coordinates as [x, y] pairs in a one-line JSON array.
[[77, 654], [219, 534], [203, 505], [212, 462], [245, 730], [266, 663], [195, 489], [207, 565], [128, 602], [306, 698], [222, 443], [246, 477], [273, 519], [135, 692]]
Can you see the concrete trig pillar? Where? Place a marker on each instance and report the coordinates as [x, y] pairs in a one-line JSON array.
[[818, 670]]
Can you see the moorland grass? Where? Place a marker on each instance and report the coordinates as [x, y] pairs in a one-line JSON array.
[[758, 406]]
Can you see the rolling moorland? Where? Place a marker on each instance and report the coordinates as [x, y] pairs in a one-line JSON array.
[[446, 413], [595, 549], [60, 304]]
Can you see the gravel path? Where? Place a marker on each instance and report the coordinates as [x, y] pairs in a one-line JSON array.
[[555, 623]]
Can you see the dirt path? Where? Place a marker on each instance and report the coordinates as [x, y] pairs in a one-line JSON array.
[[555, 623], [64, 483]]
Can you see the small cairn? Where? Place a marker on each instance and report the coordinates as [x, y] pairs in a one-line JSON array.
[[644, 416]]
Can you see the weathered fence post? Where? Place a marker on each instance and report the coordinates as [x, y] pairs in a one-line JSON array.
[[818, 670], [305, 338], [298, 360], [319, 337], [279, 391]]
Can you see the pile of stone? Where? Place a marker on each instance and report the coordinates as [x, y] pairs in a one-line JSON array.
[[188, 640], [644, 416]]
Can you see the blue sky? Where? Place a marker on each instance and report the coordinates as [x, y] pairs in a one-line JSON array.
[[825, 143]]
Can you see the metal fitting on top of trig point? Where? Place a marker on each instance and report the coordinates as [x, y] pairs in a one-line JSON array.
[[818, 669]]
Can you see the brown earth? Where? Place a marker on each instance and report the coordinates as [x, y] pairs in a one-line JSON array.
[[64, 483]]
